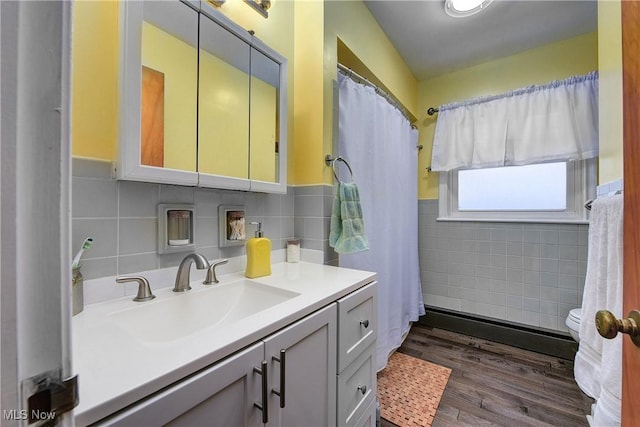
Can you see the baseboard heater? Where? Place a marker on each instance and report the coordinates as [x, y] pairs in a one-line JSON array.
[[540, 341]]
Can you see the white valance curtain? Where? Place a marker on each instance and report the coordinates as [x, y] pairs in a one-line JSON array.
[[553, 122]]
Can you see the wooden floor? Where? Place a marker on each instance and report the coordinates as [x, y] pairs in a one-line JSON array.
[[496, 384]]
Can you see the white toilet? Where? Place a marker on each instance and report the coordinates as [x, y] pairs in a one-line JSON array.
[[573, 323]]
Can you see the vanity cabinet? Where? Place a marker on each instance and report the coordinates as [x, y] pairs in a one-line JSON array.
[[203, 101], [319, 371], [225, 394]]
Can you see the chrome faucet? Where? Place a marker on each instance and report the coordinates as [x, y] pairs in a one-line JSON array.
[[211, 272], [144, 289], [184, 271]]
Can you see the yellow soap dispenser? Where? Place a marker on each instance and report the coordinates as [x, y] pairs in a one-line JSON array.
[[258, 254]]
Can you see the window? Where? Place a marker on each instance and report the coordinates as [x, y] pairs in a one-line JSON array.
[[547, 192]]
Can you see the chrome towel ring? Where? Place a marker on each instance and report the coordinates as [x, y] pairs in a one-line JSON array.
[[330, 161]]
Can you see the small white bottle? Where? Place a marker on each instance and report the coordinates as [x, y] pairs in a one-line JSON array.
[[293, 250]]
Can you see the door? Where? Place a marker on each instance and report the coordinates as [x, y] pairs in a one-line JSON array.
[[306, 394], [222, 395], [631, 293], [35, 265]]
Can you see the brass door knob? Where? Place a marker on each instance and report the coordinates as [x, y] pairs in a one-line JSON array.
[[608, 326]]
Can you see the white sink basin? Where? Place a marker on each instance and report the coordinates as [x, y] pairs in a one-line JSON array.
[[182, 314]]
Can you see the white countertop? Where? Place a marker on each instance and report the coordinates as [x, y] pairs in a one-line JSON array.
[[115, 369]]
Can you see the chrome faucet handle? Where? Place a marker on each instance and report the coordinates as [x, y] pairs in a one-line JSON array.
[[183, 275], [144, 290], [211, 272]]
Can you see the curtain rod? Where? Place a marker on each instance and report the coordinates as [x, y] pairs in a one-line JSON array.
[[592, 75], [360, 79]]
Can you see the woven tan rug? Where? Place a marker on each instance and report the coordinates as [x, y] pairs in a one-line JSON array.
[[410, 389]]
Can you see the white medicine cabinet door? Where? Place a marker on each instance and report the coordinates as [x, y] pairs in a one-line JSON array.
[[222, 395], [158, 92], [268, 113], [223, 107], [202, 101], [242, 108], [309, 380]]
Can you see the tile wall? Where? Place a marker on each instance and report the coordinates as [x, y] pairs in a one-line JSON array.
[[530, 274], [313, 206], [610, 187], [121, 218]]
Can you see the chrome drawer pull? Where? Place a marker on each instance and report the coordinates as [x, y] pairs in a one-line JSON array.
[[365, 323], [363, 389]]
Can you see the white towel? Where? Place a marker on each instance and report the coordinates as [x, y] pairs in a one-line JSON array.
[[598, 362]]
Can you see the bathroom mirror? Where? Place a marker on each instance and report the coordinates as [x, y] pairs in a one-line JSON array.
[[203, 101], [242, 117], [223, 107], [158, 83], [265, 85]]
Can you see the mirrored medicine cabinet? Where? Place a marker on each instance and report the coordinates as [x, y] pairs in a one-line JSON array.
[[203, 102]]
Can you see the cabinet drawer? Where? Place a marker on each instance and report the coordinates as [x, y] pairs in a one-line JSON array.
[[357, 320], [357, 388]]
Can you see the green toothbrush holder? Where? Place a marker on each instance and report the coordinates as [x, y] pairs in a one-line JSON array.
[[77, 295]]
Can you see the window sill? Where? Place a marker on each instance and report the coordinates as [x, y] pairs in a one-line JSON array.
[[515, 220]]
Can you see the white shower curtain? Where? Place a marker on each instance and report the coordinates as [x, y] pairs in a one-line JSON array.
[[380, 145]]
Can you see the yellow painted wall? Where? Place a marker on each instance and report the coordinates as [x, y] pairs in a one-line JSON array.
[[555, 61], [178, 61], [310, 29], [610, 81], [308, 150], [352, 22], [318, 26], [94, 120], [223, 125]]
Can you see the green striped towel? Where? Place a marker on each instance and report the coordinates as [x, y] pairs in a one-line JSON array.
[[347, 233]]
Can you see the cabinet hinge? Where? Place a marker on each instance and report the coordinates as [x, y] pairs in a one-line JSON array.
[[49, 397]]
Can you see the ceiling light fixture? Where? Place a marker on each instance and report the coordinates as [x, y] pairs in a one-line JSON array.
[[464, 8]]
